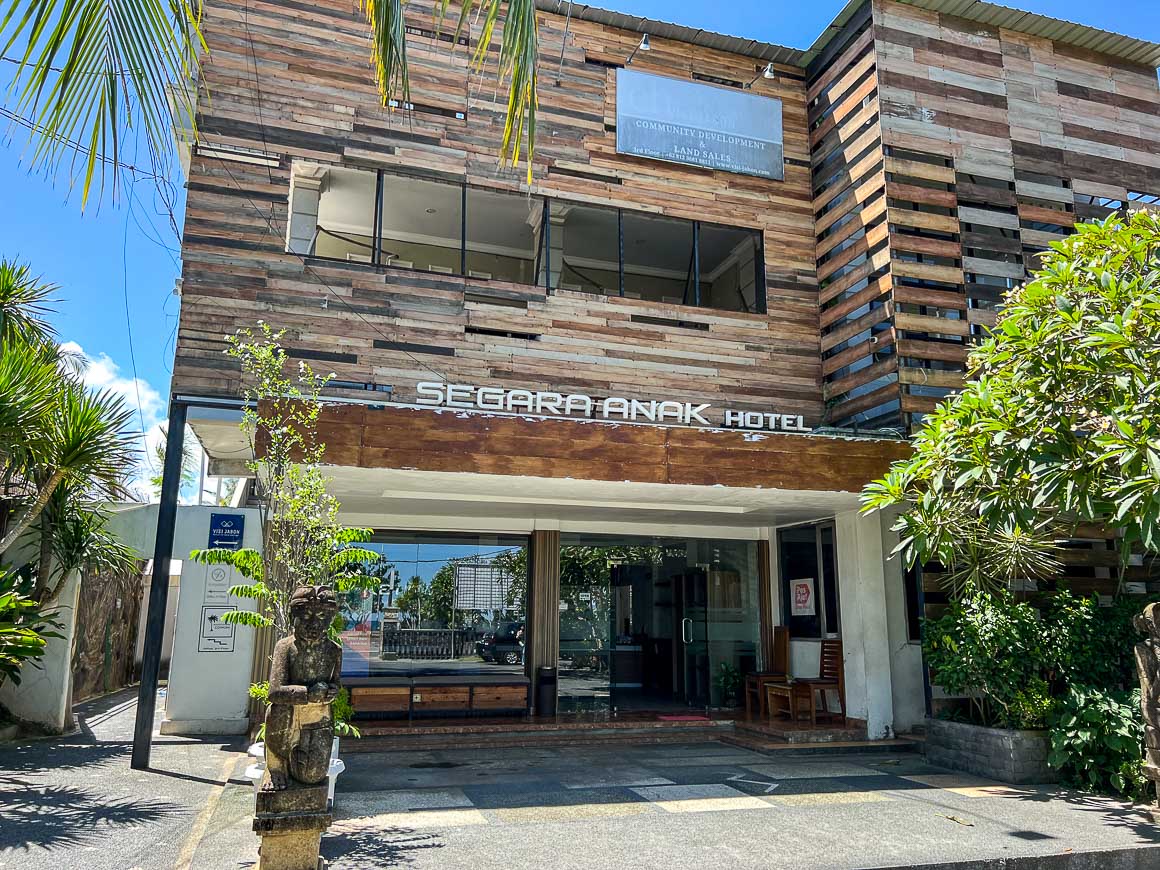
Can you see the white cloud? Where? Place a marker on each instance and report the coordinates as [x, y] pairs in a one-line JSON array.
[[102, 373]]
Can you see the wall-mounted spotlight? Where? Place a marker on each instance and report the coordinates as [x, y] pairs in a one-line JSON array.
[[643, 45], [768, 73]]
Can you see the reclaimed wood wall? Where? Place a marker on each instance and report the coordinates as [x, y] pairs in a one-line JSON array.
[[294, 82], [409, 438], [993, 144]]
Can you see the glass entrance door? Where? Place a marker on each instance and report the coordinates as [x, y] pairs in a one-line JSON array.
[[695, 637], [656, 624]]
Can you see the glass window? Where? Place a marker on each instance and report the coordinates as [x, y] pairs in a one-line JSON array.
[[585, 245], [421, 224], [449, 604], [809, 581], [344, 228], [731, 274], [658, 259], [454, 229], [502, 235]]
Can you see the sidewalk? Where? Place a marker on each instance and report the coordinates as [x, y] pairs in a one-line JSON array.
[[74, 802]]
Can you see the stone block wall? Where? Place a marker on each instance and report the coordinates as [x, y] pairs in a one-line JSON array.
[[1018, 757]]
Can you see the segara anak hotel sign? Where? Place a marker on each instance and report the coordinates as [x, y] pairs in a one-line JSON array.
[[698, 125], [610, 408]]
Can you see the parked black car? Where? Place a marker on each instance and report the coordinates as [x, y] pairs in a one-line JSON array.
[[503, 646]]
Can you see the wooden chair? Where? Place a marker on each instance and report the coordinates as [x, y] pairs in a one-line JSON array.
[[796, 697], [777, 672], [831, 675]]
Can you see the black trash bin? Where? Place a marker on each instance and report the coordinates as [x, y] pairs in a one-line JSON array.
[[546, 689]]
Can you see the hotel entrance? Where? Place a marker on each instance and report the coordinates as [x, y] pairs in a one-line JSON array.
[[657, 624]]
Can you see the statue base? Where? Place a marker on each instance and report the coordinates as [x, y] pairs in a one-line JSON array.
[[291, 823]]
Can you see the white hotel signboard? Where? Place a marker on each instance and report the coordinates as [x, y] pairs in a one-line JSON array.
[[612, 408], [696, 124]]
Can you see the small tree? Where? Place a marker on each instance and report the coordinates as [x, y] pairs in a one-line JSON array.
[[1058, 424], [302, 540]]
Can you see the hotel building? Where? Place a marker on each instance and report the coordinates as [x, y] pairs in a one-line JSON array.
[[615, 421]]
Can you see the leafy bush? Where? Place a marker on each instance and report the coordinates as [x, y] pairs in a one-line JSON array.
[[992, 649], [25, 627], [728, 682], [1090, 644], [1097, 742]]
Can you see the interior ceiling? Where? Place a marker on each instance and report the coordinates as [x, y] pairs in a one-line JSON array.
[[420, 210]]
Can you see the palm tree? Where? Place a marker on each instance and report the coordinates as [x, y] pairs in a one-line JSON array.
[[58, 440], [89, 72]]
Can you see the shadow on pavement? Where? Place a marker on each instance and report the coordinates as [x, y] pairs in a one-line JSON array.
[[386, 847], [1115, 813], [64, 816]]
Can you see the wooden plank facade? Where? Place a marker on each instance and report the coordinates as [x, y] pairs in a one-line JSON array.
[[947, 154], [295, 84], [928, 158]]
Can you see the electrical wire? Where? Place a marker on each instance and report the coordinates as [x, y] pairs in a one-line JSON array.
[[77, 146]]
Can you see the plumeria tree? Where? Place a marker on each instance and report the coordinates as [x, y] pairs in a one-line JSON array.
[[1058, 424]]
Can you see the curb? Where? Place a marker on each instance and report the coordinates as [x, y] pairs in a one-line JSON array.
[[1132, 858]]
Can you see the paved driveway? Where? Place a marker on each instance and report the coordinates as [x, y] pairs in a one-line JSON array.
[[706, 805]]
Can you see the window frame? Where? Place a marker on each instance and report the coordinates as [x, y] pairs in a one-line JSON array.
[[541, 263]]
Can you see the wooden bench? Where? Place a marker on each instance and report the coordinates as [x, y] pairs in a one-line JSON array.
[[439, 695]]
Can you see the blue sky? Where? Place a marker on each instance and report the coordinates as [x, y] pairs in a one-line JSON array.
[[106, 253]]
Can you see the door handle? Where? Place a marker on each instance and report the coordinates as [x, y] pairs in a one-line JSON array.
[[687, 630]]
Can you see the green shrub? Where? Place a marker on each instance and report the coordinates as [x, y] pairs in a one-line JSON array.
[[991, 648], [1097, 742], [25, 627], [1090, 644]]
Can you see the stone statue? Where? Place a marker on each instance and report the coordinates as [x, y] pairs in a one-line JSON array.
[[1148, 670], [303, 682], [291, 808]]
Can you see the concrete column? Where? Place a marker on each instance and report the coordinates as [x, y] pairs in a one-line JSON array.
[[543, 623], [305, 195], [865, 638]]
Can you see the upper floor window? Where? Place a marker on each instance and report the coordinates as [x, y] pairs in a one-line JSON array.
[[453, 228]]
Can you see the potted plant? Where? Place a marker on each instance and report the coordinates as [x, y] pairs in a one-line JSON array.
[[728, 684]]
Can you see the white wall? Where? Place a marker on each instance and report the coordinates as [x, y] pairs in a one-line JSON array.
[[44, 696], [865, 644], [207, 690], [905, 656]]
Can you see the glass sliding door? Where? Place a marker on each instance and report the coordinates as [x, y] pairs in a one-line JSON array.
[[647, 623]]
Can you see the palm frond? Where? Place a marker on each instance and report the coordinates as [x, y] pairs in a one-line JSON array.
[[246, 617], [388, 47], [92, 70], [247, 561], [23, 312]]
